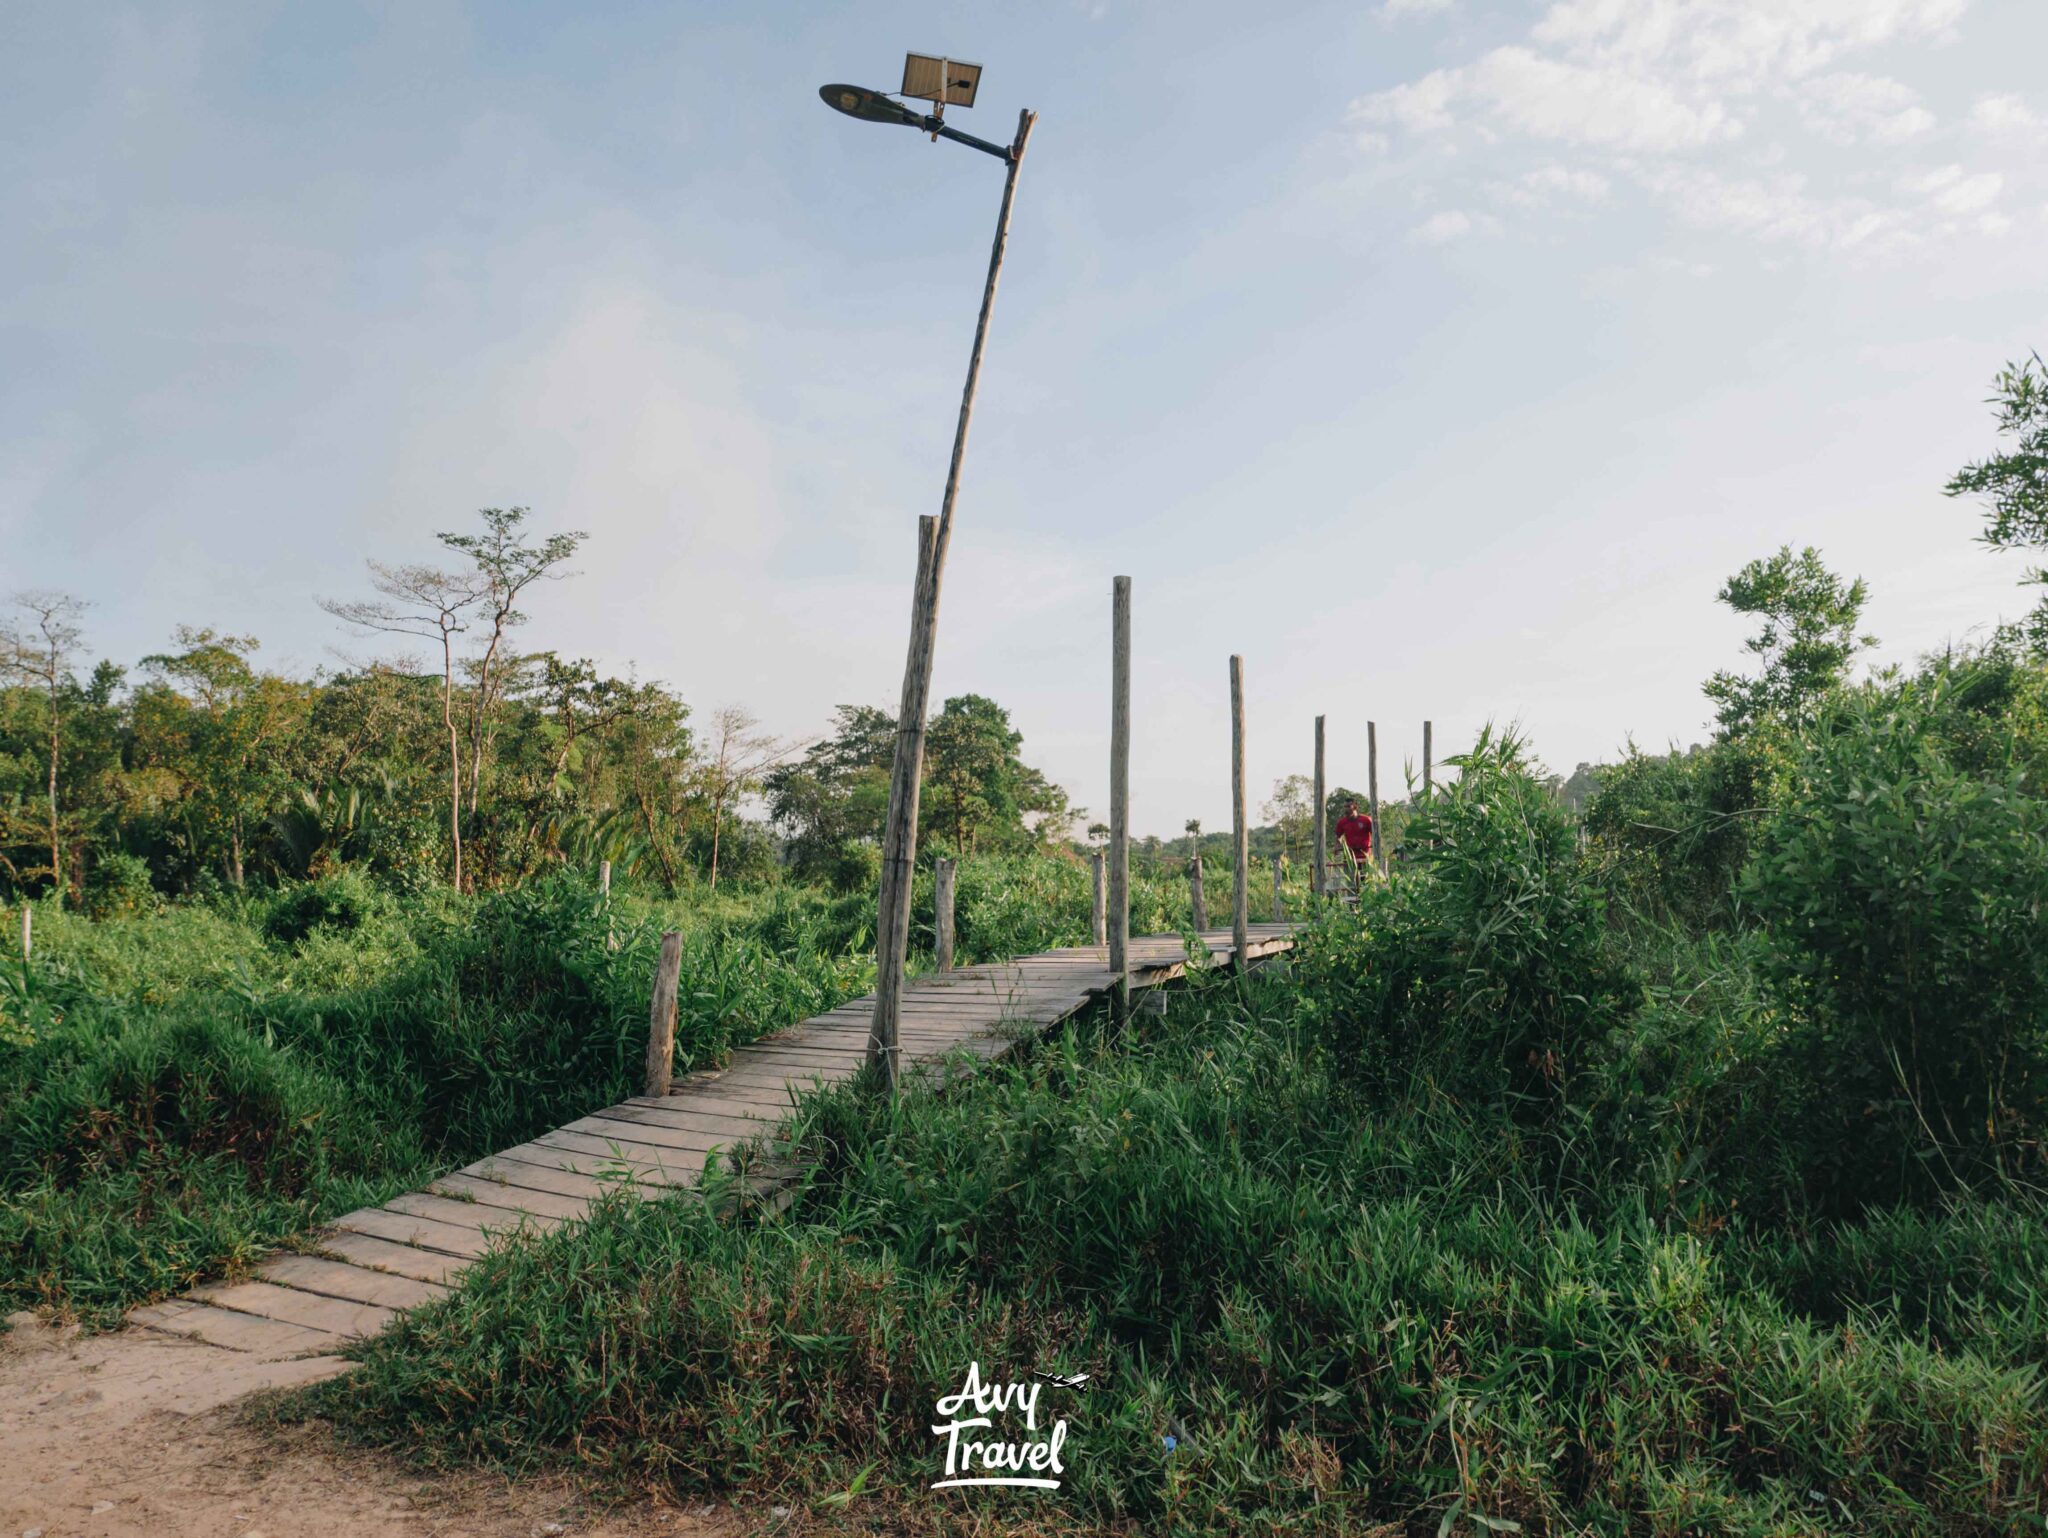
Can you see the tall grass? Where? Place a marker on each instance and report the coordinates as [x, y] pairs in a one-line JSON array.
[[1342, 1316]]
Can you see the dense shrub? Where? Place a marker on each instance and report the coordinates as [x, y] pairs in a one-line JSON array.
[[1486, 966], [1672, 831], [347, 899], [119, 884], [1906, 903]]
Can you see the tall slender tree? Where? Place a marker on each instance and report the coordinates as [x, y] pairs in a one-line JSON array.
[[39, 649], [432, 604]]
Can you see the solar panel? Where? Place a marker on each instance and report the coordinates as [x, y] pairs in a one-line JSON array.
[[942, 80]]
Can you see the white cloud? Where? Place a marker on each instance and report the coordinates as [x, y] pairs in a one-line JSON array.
[[2006, 115], [1396, 10], [1717, 109], [1440, 228], [1850, 109], [1952, 190]]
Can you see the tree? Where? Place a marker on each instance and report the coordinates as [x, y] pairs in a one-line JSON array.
[[1292, 813], [40, 653], [1806, 644], [738, 754], [2015, 484], [836, 796], [426, 602], [225, 741], [971, 763], [507, 565]]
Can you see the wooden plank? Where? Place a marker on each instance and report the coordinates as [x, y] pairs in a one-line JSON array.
[[533, 1177], [510, 1198], [495, 1220], [658, 1136], [355, 1284], [287, 1305], [393, 1259], [424, 1232], [236, 1332], [677, 1113], [588, 1155]]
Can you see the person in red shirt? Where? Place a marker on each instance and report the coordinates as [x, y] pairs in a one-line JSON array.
[[1355, 829]]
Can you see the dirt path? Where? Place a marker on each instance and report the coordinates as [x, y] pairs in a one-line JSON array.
[[134, 1434]]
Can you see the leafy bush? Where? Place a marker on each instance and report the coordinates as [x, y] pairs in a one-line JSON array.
[[119, 884], [1486, 965], [1906, 901], [1672, 831], [347, 899]]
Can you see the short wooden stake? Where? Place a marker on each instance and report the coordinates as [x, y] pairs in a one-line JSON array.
[[1322, 823], [604, 889], [1240, 831], [661, 1016], [604, 878], [1372, 791], [1279, 909], [1098, 919], [1198, 907], [1119, 940], [942, 909]]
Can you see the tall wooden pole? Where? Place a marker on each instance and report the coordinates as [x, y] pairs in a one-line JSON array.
[[899, 834], [1372, 791], [1428, 779], [1279, 909], [1322, 825], [1098, 917], [1119, 940], [1240, 834], [942, 910], [899, 837], [1198, 903], [661, 1016]]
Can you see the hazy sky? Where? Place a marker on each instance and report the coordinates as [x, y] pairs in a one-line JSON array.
[[1441, 357]]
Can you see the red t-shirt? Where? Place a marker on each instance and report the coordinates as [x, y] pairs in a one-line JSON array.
[[1356, 833]]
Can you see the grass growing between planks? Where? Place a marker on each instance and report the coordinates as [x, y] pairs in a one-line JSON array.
[[1347, 1312]]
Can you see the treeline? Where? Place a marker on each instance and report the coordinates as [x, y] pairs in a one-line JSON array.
[[196, 768]]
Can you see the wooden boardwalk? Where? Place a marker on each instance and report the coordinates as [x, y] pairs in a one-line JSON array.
[[371, 1264]]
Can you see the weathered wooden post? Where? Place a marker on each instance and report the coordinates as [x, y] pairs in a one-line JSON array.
[[899, 833], [1119, 940], [1198, 907], [942, 908], [604, 879], [28, 926], [661, 1016], [1428, 779], [1098, 918], [1322, 829], [1279, 908], [1240, 834], [1372, 791]]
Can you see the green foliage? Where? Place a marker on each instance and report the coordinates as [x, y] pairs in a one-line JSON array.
[[1347, 1319], [2014, 484], [1906, 899], [1806, 644], [1485, 968], [344, 900], [1672, 831], [119, 884]]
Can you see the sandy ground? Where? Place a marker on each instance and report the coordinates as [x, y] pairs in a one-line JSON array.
[[132, 1434]]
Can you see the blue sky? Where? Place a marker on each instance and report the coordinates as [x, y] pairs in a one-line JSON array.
[[1440, 357]]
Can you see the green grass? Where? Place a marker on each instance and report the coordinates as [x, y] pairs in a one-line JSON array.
[[1354, 1313], [183, 1090]]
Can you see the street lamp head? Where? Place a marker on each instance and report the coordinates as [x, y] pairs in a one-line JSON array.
[[870, 106]]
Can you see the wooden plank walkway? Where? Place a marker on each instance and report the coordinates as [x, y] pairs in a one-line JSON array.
[[374, 1263]]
